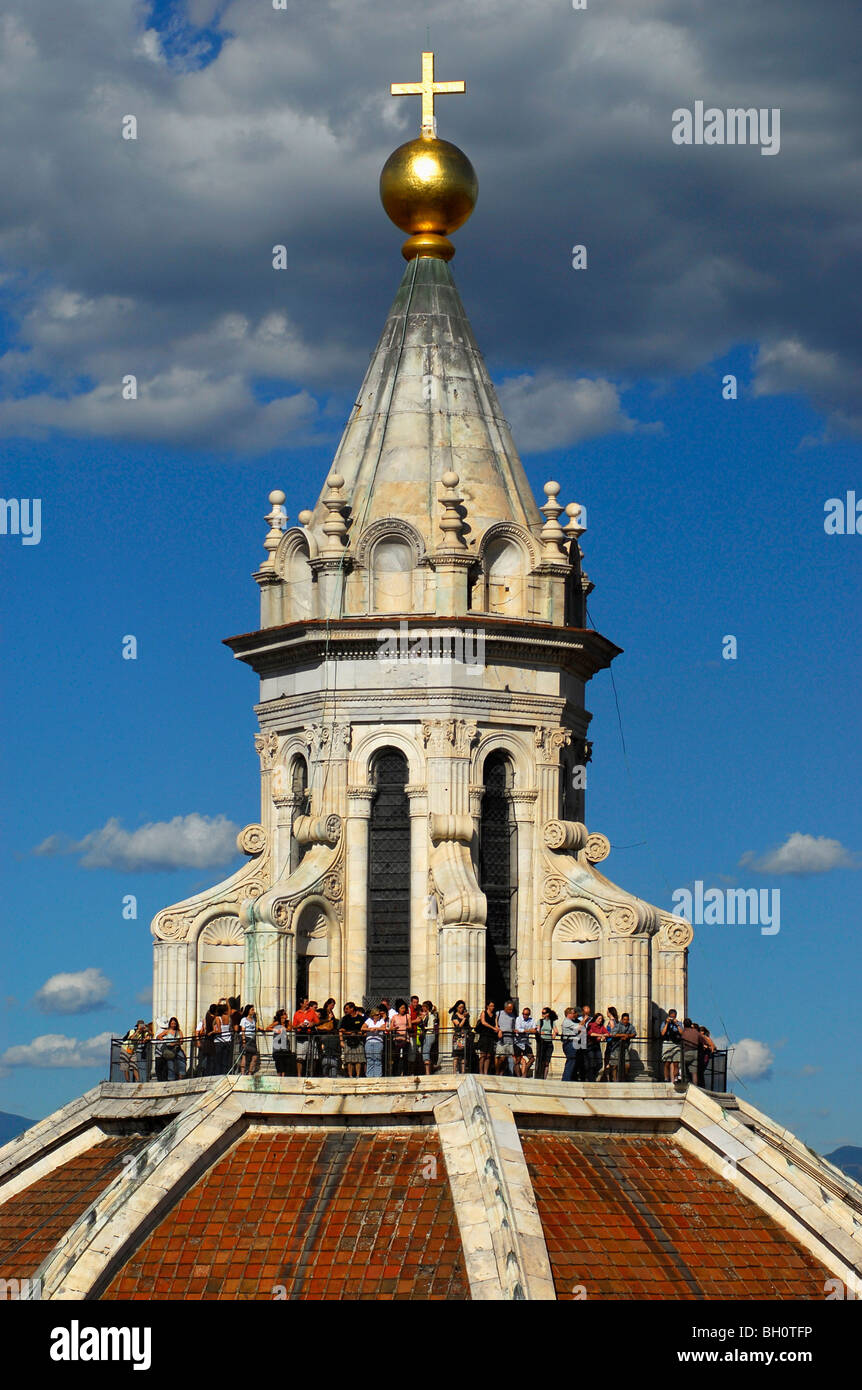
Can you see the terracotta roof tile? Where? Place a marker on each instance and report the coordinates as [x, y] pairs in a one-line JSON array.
[[639, 1217], [32, 1222], [289, 1209]]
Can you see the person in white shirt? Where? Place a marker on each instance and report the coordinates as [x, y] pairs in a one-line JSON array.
[[249, 1056], [525, 1031], [374, 1031]]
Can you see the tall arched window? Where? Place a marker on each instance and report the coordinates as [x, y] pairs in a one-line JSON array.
[[498, 876], [504, 563], [392, 570], [388, 942]]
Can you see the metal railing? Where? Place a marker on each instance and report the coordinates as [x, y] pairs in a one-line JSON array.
[[445, 1051]]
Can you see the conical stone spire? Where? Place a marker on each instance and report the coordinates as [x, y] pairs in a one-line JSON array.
[[427, 407]]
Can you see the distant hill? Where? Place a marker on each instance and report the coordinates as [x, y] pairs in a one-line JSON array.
[[10, 1125], [849, 1159]]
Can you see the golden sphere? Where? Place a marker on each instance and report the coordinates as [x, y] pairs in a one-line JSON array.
[[428, 185]]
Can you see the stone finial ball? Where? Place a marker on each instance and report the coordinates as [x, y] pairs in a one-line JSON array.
[[335, 481], [552, 489], [305, 518], [277, 497], [450, 479], [428, 185]]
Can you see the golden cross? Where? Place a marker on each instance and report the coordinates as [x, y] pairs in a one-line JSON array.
[[427, 89]]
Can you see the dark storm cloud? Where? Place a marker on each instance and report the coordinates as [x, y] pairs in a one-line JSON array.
[[153, 256]]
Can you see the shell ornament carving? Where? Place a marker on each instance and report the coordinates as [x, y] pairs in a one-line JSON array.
[[577, 926], [251, 840], [223, 931]]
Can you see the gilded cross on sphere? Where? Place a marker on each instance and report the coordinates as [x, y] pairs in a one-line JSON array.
[[427, 89]]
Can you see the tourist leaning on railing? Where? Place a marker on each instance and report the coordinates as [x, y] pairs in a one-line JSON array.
[[352, 1040], [280, 1029], [249, 1060], [304, 1020], [374, 1031], [525, 1031], [487, 1034], [616, 1048], [462, 1037], [399, 1031], [133, 1051], [547, 1032], [169, 1050]]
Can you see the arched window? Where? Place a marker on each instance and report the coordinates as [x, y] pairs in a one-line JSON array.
[[498, 876], [388, 941], [299, 791], [392, 571], [298, 581], [504, 568]]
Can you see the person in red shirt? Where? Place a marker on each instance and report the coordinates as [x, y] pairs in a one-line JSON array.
[[305, 1020]]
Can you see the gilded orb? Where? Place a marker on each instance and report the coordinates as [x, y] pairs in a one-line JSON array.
[[428, 188]]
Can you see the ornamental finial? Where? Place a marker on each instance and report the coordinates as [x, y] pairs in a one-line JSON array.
[[428, 186]]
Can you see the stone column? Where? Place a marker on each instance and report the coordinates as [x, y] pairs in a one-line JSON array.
[[423, 924], [549, 743], [461, 924], [355, 965], [268, 974], [670, 965], [527, 925], [267, 745], [328, 746], [461, 969], [175, 982]]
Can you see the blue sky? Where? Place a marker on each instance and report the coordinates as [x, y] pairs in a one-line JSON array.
[[705, 515]]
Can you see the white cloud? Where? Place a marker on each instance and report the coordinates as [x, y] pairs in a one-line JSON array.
[[789, 366], [801, 854], [73, 992], [749, 1059], [186, 842], [56, 1050], [550, 412]]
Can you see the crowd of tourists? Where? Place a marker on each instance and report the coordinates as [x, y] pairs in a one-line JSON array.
[[403, 1038]]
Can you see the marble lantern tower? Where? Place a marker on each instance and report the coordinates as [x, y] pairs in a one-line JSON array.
[[423, 657]]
